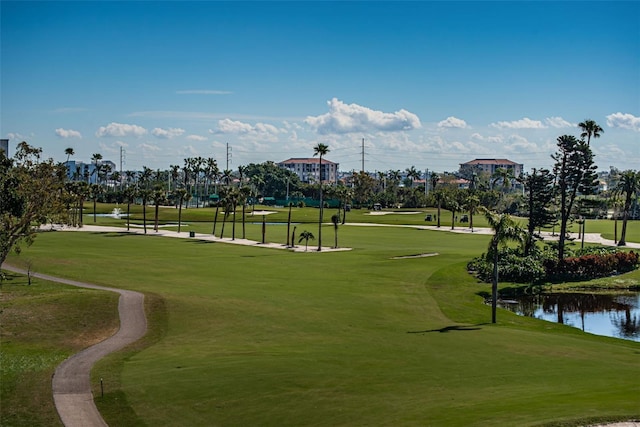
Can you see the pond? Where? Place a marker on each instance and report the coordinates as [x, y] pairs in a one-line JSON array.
[[612, 315]]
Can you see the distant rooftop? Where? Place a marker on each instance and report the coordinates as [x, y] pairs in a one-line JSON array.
[[306, 160], [490, 162]]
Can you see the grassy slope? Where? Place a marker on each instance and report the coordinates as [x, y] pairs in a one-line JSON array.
[[267, 337], [41, 325]]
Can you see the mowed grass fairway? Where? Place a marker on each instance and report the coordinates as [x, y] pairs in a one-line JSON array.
[[255, 336]]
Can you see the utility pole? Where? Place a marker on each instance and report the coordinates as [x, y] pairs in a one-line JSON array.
[[122, 156], [362, 170]]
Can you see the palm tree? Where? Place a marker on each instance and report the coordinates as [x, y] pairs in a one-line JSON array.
[[69, 152], [439, 196], [335, 219], [129, 194], [381, 178], [471, 203], [158, 197], [145, 195], [320, 150], [306, 235], [629, 185], [434, 178], [229, 204], [590, 128], [227, 175], [504, 176], [504, 230], [83, 190], [616, 203], [412, 174], [345, 194], [243, 196], [453, 204], [95, 192], [180, 193], [95, 158], [235, 194], [289, 224], [174, 173]]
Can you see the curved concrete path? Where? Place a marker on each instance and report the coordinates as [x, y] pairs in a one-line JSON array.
[[71, 380]]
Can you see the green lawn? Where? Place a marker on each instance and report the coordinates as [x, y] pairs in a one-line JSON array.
[[254, 336]]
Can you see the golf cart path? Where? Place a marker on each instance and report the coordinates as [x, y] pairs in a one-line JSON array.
[[588, 237], [71, 381], [186, 235]]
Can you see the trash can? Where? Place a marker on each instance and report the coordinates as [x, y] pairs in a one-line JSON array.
[[192, 234]]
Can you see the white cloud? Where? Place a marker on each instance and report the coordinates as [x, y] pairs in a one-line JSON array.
[[68, 133], [232, 126], [524, 123], [18, 136], [492, 139], [203, 92], [167, 133], [346, 118], [452, 122], [518, 144], [196, 138], [625, 121], [559, 122], [121, 129], [149, 147], [259, 130]]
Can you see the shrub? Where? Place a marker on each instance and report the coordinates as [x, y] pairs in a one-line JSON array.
[[591, 266], [543, 266], [512, 267]]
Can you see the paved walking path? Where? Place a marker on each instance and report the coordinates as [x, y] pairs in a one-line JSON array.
[[588, 237], [71, 380], [198, 236]]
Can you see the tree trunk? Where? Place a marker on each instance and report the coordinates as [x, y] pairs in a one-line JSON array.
[[320, 220], [623, 233], [215, 219], [289, 224], [128, 214], [494, 285], [144, 216], [243, 220], [155, 220], [233, 225], [179, 214]]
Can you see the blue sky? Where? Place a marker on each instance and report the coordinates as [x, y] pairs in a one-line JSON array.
[[426, 84]]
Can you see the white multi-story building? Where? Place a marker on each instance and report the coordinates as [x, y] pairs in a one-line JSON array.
[[80, 171], [490, 166], [308, 169]]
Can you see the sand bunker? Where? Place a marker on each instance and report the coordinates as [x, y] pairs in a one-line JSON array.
[[392, 213], [415, 256]]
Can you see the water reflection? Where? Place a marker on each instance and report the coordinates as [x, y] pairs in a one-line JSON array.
[[614, 315]]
